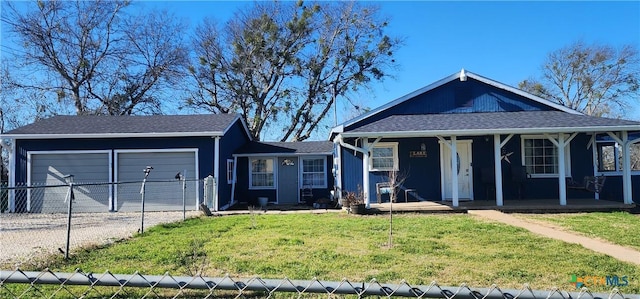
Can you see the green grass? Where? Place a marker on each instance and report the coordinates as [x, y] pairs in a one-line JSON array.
[[449, 249], [619, 228]]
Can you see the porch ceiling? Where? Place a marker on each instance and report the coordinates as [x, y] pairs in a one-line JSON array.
[[521, 122]]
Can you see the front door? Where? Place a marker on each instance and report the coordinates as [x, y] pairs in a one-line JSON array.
[[462, 170], [288, 189]]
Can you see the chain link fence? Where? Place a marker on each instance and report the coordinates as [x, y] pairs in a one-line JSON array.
[[23, 284], [40, 220]]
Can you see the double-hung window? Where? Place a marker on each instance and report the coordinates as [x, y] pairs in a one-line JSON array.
[[384, 157], [314, 172], [540, 157], [610, 156], [261, 173]]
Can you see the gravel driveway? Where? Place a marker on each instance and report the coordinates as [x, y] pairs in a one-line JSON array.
[[26, 236]]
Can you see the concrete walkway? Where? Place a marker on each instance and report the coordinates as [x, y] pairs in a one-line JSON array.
[[616, 251]]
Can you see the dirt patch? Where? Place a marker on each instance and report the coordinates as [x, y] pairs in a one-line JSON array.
[[24, 237]]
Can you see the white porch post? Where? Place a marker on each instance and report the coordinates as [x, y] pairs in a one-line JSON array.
[[337, 162], [454, 171], [216, 172], [626, 164], [497, 158], [561, 144], [626, 169], [365, 172], [594, 149], [562, 181]]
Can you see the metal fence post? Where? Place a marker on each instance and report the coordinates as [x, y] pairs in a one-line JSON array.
[[71, 198], [181, 176], [146, 170]]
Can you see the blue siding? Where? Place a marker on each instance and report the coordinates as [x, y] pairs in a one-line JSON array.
[[233, 139], [242, 192], [351, 170], [244, 195], [422, 174], [459, 97], [612, 189], [204, 144]]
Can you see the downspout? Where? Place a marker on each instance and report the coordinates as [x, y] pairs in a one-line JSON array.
[[11, 150], [216, 171]]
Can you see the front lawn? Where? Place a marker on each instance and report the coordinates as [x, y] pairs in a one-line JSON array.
[[449, 249]]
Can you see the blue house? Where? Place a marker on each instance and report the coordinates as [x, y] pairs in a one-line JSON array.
[[508, 143], [285, 173], [111, 153]]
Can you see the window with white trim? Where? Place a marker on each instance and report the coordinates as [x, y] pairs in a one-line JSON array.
[[384, 157], [610, 156], [314, 172], [540, 157], [229, 171], [261, 173]]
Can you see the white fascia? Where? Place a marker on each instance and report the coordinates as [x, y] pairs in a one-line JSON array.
[[113, 135]]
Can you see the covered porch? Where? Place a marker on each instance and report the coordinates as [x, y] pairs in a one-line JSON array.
[[551, 147], [513, 206]]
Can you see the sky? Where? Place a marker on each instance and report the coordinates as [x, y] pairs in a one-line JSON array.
[[506, 41]]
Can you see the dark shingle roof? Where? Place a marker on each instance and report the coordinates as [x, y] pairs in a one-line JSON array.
[[491, 121], [102, 124], [306, 147]]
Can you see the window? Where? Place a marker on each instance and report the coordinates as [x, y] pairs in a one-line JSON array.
[[540, 157], [229, 171], [314, 172], [610, 156], [262, 173], [384, 157]]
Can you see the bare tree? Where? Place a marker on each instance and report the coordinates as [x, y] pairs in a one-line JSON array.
[[92, 55], [284, 64], [153, 57], [594, 79], [395, 179]]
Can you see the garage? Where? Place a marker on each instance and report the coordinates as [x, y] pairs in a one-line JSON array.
[[163, 192], [50, 169]]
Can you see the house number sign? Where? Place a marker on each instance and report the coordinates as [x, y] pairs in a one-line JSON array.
[[417, 154]]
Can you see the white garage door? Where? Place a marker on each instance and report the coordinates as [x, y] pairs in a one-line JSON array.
[[86, 167], [163, 192]]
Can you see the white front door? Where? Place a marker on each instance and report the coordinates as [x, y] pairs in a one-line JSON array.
[[463, 170]]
